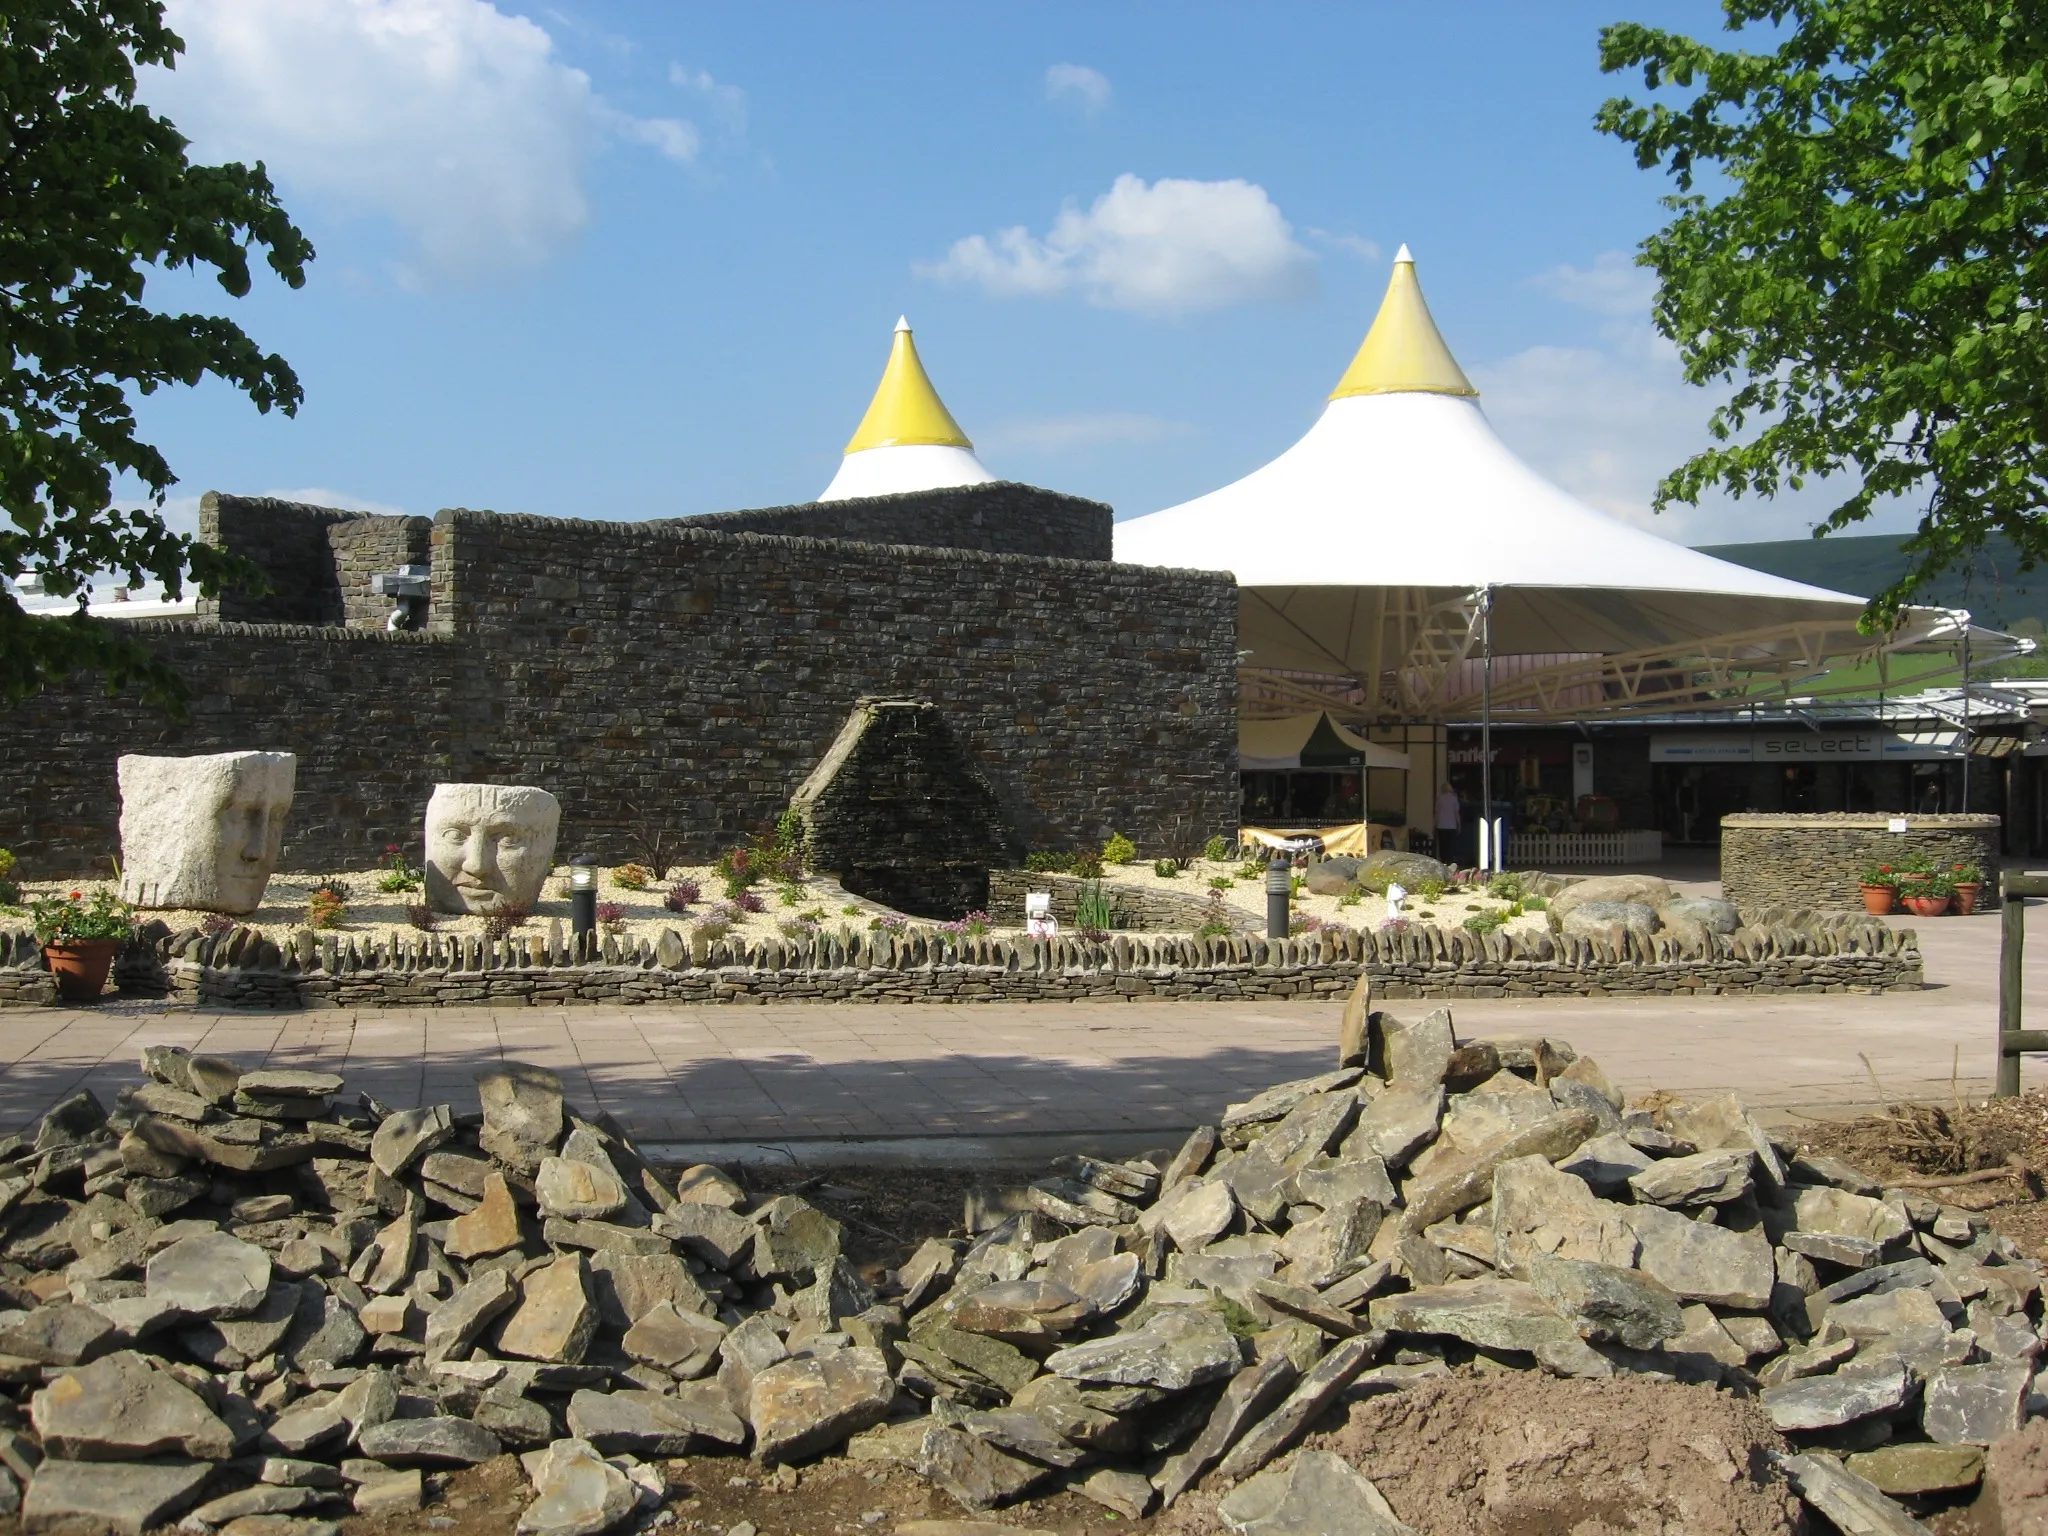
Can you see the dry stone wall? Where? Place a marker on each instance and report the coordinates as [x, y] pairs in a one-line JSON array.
[[666, 675], [1809, 859], [318, 560], [240, 969], [999, 519]]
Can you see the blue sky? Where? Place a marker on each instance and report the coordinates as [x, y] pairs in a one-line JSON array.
[[642, 259]]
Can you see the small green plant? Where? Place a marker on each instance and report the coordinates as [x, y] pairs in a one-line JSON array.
[[1351, 898], [10, 888], [791, 893], [1298, 883], [326, 907], [1044, 861], [633, 877], [815, 915], [849, 910], [1878, 875], [400, 874], [1215, 918], [737, 870], [1506, 886], [1965, 874], [1221, 883], [1119, 849], [1535, 904], [1252, 869], [1166, 869], [1094, 911], [1086, 866], [1217, 849], [70, 919], [1485, 922], [1430, 890]]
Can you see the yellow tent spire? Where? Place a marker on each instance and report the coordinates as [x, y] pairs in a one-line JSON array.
[[906, 409], [1404, 352]]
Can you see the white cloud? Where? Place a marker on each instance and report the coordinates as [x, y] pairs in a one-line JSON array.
[[1086, 88], [728, 103], [1079, 433], [456, 122], [1166, 248], [1608, 421]]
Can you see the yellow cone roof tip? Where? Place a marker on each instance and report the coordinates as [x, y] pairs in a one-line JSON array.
[[1404, 352], [906, 409]]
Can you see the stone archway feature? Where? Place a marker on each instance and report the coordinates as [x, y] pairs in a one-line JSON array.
[[897, 810]]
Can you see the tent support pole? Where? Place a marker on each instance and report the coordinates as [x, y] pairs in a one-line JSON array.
[[1965, 807], [1489, 829]]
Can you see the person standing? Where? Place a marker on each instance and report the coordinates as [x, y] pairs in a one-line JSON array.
[[1450, 821]]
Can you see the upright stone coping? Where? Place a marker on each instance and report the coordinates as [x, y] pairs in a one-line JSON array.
[[1815, 859], [1772, 954]]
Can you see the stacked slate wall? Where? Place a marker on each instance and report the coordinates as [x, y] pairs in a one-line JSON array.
[[319, 560], [661, 675], [1002, 518], [1812, 859]]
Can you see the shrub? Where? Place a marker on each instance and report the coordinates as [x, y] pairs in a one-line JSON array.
[[1217, 849], [790, 893], [716, 921], [1086, 866], [216, 923], [738, 870], [1535, 904], [6, 862], [1044, 861], [1221, 883], [1252, 869], [750, 901], [326, 908], [611, 916], [1094, 910], [1165, 869], [399, 873], [1215, 919], [1506, 886], [972, 926], [502, 920], [682, 896], [1430, 890], [1351, 898], [422, 916], [1119, 849], [1485, 922], [1965, 874], [633, 877]]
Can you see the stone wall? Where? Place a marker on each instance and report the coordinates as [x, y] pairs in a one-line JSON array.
[[319, 559], [999, 519], [376, 719], [672, 675], [237, 970], [1806, 859]]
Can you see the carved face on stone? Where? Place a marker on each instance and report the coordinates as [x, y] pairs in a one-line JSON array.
[[203, 832], [489, 845]]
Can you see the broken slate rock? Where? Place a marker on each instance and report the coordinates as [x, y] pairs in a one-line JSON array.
[[406, 1136], [436, 1442], [1175, 1349], [1539, 1210], [556, 1319], [522, 1113], [459, 1322], [95, 1496], [210, 1274], [1827, 1402], [802, 1406], [1318, 1388], [643, 1423], [579, 1191], [1606, 1302], [577, 1493], [59, 1334], [1704, 1262], [120, 1409], [1705, 1178], [1974, 1404], [1909, 1469], [975, 1473], [492, 1227], [1314, 1493], [1852, 1503], [681, 1343]]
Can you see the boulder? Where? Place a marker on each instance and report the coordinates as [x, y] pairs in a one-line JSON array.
[[1709, 912], [1332, 876], [1409, 869], [802, 1406], [121, 1409], [1593, 918], [1625, 890]]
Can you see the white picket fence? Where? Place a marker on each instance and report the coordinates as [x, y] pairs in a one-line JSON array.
[[1551, 850]]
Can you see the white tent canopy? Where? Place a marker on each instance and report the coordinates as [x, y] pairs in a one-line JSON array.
[[1275, 745], [1362, 552]]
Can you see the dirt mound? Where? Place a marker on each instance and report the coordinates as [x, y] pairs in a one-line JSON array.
[[1515, 1453], [2015, 1500]]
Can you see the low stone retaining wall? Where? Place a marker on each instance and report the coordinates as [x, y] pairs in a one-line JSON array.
[[1815, 860], [233, 971]]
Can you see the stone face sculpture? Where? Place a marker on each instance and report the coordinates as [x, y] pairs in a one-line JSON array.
[[489, 845], [203, 832]]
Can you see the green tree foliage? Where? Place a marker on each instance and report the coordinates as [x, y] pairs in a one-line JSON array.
[[95, 191], [1868, 270]]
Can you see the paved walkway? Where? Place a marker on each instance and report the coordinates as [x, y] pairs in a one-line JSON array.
[[791, 1072]]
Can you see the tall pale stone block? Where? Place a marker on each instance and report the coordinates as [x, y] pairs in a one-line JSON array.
[[489, 845], [203, 832]]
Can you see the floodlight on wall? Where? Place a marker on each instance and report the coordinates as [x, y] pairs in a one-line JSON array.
[[407, 587], [583, 896]]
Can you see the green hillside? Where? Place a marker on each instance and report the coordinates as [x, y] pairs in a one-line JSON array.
[[1997, 593]]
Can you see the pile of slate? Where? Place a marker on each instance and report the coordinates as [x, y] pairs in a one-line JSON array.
[[237, 1300]]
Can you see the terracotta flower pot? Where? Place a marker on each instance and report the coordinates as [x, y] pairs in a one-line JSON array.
[[1926, 906], [1966, 896], [81, 966], [1878, 899]]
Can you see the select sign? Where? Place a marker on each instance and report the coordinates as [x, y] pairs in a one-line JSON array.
[[1803, 746]]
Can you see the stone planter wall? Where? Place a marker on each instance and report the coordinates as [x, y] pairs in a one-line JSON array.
[[1815, 860], [241, 970]]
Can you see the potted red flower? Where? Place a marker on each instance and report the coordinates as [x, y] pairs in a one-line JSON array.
[[1931, 896], [1880, 888], [80, 938], [1968, 880]]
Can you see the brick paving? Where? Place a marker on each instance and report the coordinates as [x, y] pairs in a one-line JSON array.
[[780, 1073]]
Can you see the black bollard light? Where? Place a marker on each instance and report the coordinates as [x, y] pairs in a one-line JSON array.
[[1279, 892], [582, 898]]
